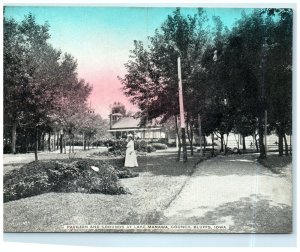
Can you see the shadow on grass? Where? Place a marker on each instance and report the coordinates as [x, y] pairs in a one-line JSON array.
[[165, 165], [247, 215], [275, 163]]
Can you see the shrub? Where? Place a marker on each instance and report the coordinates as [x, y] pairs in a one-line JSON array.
[[150, 149], [159, 140], [113, 153], [118, 148], [118, 145], [140, 145], [32, 179], [159, 146], [65, 176], [6, 148], [172, 144], [210, 144]]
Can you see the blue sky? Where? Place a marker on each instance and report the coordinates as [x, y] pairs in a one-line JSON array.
[[100, 39]]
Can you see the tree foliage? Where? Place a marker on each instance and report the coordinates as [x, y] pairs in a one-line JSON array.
[[230, 76], [42, 90]]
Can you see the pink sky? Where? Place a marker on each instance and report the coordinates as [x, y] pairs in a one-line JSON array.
[[101, 38]]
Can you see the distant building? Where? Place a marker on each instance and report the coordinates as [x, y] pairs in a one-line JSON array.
[[121, 126]]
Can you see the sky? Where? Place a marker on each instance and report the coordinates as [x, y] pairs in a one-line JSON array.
[[100, 38]]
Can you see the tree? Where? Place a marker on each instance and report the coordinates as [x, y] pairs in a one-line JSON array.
[[27, 83], [151, 77], [118, 107], [230, 77], [247, 75], [279, 75], [37, 80], [13, 75]]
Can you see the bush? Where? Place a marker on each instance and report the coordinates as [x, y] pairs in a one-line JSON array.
[[150, 149], [113, 153], [65, 176], [32, 179], [140, 145], [159, 140], [173, 144], [210, 144], [75, 143], [159, 146], [6, 148], [118, 148]]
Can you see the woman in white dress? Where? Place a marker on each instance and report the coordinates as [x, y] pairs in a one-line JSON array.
[[130, 158]]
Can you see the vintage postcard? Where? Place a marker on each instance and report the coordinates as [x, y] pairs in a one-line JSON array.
[[147, 119]]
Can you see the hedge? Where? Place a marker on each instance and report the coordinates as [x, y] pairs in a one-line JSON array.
[[159, 146]]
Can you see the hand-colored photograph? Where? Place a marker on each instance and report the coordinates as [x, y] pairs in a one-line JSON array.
[[147, 119]]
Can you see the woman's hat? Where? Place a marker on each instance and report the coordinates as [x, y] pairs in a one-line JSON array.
[[129, 135]]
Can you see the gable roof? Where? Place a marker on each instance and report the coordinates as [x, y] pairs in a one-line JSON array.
[[126, 122], [129, 122]]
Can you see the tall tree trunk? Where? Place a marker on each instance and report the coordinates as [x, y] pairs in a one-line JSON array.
[[280, 144], [65, 144], [213, 144], [49, 140], [191, 141], [262, 149], [226, 143], [200, 134], [61, 143], [70, 145], [14, 138], [73, 143], [42, 139], [244, 143], [190, 137], [84, 141], [184, 150], [256, 144], [204, 143], [58, 140], [36, 144], [286, 145], [222, 142]]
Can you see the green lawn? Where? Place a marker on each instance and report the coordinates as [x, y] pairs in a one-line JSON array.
[[276, 163], [160, 179]]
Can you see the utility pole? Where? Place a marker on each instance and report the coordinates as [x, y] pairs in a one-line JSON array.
[[181, 109]]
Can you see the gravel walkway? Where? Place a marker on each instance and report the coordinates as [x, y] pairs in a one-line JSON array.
[[237, 192]]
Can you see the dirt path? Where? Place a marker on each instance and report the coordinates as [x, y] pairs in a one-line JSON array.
[[237, 192]]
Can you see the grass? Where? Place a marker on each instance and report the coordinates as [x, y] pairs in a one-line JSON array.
[[275, 163], [160, 180]]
